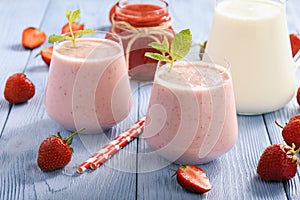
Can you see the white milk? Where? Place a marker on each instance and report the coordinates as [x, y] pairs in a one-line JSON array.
[[252, 36]]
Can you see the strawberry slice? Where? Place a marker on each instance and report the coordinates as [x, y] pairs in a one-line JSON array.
[[75, 27], [295, 43], [33, 38], [298, 96], [46, 54], [193, 178]]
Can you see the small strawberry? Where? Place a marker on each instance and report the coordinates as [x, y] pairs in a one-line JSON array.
[[291, 132], [298, 96], [75, 27], [193, 178], [46, 54], [55, 152], [278, 163], [295, 117], [18, 89], [295, 43], [33, 38]]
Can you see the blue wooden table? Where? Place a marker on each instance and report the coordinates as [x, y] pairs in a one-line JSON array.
[[129, 174]]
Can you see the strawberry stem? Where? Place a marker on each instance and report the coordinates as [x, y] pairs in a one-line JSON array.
[[297, 151], [173, 170], [277, 123], [69, 139], [72, 34], [171, 65]]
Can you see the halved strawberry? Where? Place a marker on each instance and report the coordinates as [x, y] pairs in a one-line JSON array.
[[75, 27], [298, 96], [33, 38], [193, 179], [46, 54], [295, 43]]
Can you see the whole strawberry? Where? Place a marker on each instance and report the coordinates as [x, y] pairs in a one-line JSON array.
[[18, 88], [55, 152], [291, 132], [278, 163], [295, 117], [193, 178]]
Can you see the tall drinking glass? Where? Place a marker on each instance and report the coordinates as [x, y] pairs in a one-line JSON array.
[[191, 117], [252, 35], [88, 85]]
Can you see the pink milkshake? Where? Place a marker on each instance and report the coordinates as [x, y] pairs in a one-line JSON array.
[[191, 117], [88, 86]]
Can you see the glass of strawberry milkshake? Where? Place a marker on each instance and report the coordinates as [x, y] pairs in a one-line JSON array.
[[191, 118], [88, 85]]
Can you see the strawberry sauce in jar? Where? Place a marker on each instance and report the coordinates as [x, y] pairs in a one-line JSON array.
[[139, 23]]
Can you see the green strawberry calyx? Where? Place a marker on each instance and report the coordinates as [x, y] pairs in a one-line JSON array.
[[290, 151], [69, 139]]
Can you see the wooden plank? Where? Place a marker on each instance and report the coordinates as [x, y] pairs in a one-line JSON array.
[[292, 108], [14, 57], [282, 116], [29, 124], [233, 175], [230, 181]]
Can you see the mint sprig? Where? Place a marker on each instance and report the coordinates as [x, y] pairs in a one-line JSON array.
[[71, 17], [179, 48]]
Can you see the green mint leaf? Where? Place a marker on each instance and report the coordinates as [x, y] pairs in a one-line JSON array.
[[181, 44], [162, 47], [57, 38], [68, 14], [71, 17], [75, 15], [80, 33], [157, 56]]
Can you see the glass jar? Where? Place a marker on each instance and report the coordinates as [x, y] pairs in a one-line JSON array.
[[139, 23]]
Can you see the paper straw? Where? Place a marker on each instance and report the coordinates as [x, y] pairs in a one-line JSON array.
[[113, 147]]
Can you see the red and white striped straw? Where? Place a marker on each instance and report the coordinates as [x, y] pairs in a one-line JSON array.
[[113, 147]]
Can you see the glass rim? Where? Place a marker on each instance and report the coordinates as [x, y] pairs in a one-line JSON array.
[[223, 73], [115, 38], [91, 35]]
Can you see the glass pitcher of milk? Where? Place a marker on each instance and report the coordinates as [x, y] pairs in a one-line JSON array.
[[252, 36]]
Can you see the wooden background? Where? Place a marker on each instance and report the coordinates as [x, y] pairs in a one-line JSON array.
[[129, 174]]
